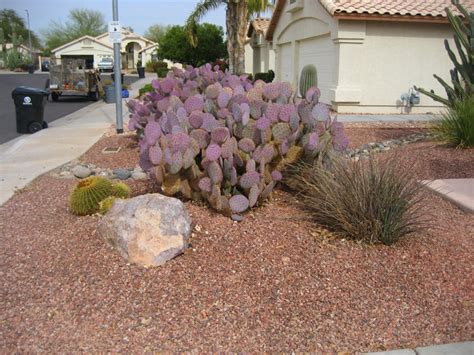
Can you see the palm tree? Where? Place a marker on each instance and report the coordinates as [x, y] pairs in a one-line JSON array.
[[238, 13]]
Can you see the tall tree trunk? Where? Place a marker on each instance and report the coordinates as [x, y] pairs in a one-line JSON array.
[[236, 22]]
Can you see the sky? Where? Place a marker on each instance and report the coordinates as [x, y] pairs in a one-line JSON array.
[[139, 14]]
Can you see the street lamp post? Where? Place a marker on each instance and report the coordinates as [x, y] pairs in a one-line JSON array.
[[29, 36], [118, 77]]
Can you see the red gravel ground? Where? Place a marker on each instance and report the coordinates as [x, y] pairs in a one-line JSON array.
[[275, 282]]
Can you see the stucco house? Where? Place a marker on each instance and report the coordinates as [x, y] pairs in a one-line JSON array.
[[365, 54], [263, 56], [133, 48]]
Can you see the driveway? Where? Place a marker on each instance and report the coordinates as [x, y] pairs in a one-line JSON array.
[[53, 110]]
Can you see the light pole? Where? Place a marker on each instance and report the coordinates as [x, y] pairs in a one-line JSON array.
[[118, 77], [29, 36]]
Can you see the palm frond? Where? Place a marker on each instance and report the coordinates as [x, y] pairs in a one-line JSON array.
[[198, 13], [256, 7]]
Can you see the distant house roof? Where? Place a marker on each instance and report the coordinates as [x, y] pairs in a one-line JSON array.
[[128, 35], [259, 25], [148, 47], [80, 39], [391, 10]]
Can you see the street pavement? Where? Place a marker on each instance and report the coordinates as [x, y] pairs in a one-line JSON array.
[[52, 111]]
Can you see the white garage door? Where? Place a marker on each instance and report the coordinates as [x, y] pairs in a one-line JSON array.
[[286, 63], [319, 52]]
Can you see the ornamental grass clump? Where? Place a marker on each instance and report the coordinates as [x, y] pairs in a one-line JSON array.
[[456, 126], [210, 135], [366, 201]]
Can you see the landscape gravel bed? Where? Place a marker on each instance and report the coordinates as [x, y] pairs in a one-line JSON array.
[[275, 282]]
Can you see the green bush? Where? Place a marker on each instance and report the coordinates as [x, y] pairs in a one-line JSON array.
[[266, 77], [153, 66], [161, 72], [145, 89], [14, 60], [456, 126], [367, 201]]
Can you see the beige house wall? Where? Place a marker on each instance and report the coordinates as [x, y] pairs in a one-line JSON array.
[[391, 58], [248, 58], [263, 54], [362, 66]]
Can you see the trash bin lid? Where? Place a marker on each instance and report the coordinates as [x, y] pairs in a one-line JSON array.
[[24, 90]]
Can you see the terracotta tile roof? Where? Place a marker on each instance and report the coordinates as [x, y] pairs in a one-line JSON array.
[[392, 7], [397, 10], [259, 25]]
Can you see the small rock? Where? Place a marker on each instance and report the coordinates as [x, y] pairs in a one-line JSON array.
[[138, 175], [236, 217], [65, 174], [81, 171], [122, 174], [386, 148]]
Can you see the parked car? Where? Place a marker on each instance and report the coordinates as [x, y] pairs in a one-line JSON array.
[[106, 64], [45, 65]]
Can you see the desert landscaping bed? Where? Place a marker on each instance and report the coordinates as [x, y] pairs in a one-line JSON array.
[[273, 282]]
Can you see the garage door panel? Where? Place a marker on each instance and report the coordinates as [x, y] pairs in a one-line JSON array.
[[286, 64], [319, 52]]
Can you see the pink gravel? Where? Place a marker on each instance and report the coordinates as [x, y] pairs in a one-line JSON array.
[[275, 282]]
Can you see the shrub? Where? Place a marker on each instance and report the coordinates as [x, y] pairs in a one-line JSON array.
[[161, 72], [456, 126], [215, 136], [266, 77], [153, 66], [14, 60], [372, 202], [146, 88]]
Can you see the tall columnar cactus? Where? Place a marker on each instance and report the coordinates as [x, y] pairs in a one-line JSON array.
[[308, 79], [205, 134], [462, 75]]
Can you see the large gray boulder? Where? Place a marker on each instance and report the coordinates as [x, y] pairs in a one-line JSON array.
[[148, 229]]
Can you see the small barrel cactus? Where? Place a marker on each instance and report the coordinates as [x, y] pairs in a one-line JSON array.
[[106, 204], [88, 193], [121, 190]]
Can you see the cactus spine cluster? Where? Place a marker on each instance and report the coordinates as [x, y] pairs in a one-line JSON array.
[[88, 194], [206, 134], [462, 75]]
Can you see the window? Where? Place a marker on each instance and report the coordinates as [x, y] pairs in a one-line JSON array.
[[308, 78], [295, 5]]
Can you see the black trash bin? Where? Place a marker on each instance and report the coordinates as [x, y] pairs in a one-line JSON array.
[[29, 104], [113, 76]]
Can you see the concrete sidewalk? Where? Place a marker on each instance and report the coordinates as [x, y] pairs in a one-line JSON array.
[[464, 348], [28, 156], [386, 118]]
